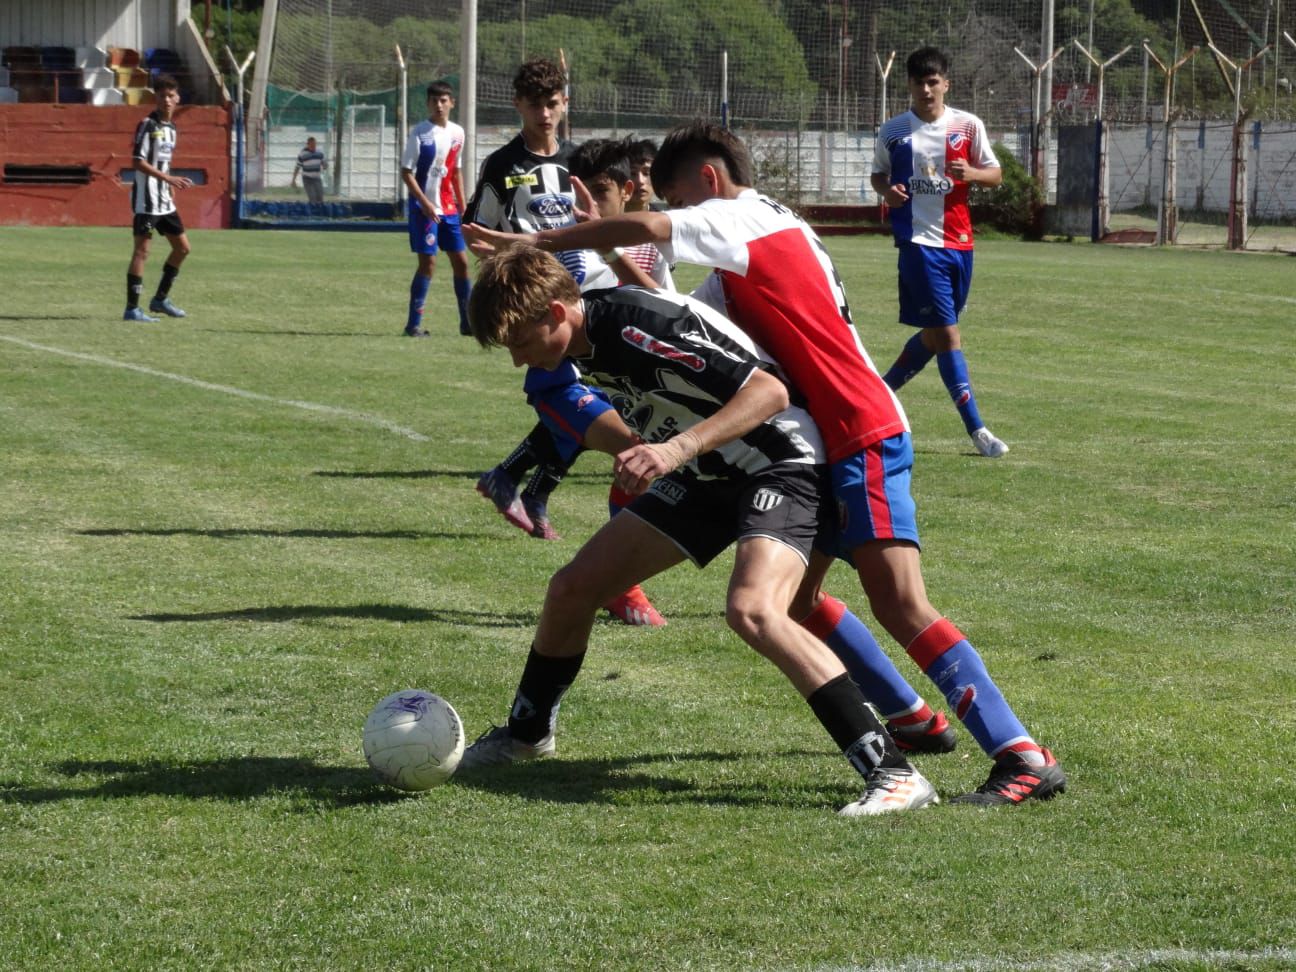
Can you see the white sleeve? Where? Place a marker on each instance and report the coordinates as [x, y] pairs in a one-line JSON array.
[[409, 158], [881, 156], [985, 157], [705, 235]]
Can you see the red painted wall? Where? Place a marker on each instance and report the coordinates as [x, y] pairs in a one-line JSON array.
[[101, 138]]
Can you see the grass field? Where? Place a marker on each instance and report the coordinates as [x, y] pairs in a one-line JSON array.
[[226, 538]]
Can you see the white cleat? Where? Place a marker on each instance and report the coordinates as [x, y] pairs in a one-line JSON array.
[[497, 747], [891, 789], [988, 445]]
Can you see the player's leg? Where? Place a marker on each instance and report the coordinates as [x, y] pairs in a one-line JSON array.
[[882, 535], [170, 227], [143, 234], [775, 540], [625, 551], [450, 238], [914, 290], [910, 720], [568, 410], [423, 243]]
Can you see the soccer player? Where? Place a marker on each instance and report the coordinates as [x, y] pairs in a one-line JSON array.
[[154, 205], [778, 283], [430, 171], [310, 163], [642, 151], [725, 457], [923, 164], [524, 186]]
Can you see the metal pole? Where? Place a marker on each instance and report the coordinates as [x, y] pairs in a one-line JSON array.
[[724, 89], [468, 92], [402, 123]]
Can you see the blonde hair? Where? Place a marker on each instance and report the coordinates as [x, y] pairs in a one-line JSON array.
[[513, 290]]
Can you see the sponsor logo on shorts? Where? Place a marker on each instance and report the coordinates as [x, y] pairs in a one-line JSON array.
[[550, 206], [766, 499], [646, 342], [668, 491]]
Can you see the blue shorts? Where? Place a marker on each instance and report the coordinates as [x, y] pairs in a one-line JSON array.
[[568, 411], [934, 284], [426, 236], [871, 490]]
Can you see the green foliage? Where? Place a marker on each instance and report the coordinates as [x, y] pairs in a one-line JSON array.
[[1012, 206]]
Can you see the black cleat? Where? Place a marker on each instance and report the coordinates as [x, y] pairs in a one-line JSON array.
[[935, 735], [1013, 780]]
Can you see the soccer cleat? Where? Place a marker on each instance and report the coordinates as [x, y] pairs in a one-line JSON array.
[[464, 329], [988, 445], [497, 487], [417, 332], [1013, 780], [135, 314], [891, 789], [633, 607], [164, 306], [497, 747], [935, 735], [541, 528]]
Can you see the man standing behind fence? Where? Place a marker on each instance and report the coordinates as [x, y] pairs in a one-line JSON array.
[[310, 163], [923, 164]]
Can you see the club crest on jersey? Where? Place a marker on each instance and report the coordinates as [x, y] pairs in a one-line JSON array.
[[646, 342], [956, 140], [550, 206], [766, 499], [583, 401]]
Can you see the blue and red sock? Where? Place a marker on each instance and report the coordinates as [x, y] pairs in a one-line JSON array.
[[913, 358], [953, 371], [950, 661], [418, 297], [463, 290]]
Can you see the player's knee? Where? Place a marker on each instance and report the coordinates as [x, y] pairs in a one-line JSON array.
[[573, 588], [750, 615]]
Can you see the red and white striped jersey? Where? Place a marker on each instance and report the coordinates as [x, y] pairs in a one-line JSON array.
[[780, 286], [917, 154]]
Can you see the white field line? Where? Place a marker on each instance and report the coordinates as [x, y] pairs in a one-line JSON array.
[[361, 417], [1085, 961]]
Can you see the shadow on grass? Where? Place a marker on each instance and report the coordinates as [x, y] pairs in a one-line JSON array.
[[235, 779], [631, 780], [572, 475], [625, 780], [377, 612], [273, 332], [307, 534]]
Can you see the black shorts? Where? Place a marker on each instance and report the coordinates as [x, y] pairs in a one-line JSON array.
[[786, 502], [167, 225]]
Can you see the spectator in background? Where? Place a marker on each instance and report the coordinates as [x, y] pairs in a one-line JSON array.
[[310, 163]]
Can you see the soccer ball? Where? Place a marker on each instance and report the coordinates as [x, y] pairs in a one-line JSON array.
[[413, 740]]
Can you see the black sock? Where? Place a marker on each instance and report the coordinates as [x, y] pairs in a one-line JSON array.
[[521, 459], [134, 287], [544, 481], [544, 682], [863, 740], [169, 273]]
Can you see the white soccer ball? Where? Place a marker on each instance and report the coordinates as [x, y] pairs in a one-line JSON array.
[[413, 740]]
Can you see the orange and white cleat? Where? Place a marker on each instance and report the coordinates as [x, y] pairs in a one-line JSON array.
[[633, 607]]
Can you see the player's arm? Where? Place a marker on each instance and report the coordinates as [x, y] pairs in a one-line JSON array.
[[296, 168], [965, 171], [174, 181], [600, 235], [457, 182], [761, 397], [893, 195], [417, 194]]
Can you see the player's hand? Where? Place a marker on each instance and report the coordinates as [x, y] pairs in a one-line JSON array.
[[896, 195], [180, 182], [493, 240], [959, 169], [635, 469], [585, 210]]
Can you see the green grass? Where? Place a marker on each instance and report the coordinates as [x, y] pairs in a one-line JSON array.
[[202, 594]]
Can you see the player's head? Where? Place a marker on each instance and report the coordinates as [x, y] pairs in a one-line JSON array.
[[928, 80], [700, 161], [602, 164], [538, 95], [520, 301], [310, 143], [926, 61], [166, 90], [641, 153], [440, 99]]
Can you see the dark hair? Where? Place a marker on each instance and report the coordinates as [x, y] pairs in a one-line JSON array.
[[538, 78], [640, 150], [600, 156], [438, 88], [697, 142], [165, 82], [927, 61]]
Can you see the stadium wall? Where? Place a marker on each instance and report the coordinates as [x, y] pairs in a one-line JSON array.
[[71, 165]]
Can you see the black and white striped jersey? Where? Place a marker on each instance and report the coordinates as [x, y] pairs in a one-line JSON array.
[[522, 192], [668, 361], [155, 141]]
